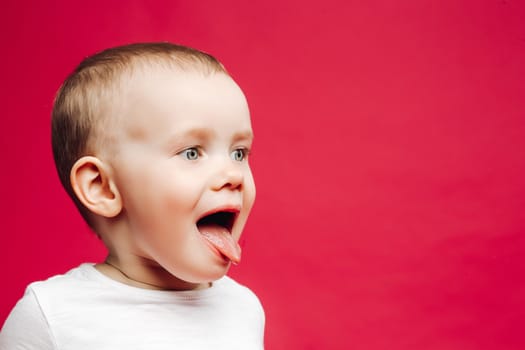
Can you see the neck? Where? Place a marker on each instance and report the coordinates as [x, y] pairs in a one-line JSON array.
[[145, 277]]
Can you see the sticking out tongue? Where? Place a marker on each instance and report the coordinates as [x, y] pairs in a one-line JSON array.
[[222, 240]]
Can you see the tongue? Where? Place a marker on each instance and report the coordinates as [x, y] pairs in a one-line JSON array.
[[222, 240]]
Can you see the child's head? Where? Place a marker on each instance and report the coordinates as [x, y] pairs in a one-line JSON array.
[[151, 142]]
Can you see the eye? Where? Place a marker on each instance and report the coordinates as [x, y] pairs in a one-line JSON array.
[[192, 153], [239, 154]]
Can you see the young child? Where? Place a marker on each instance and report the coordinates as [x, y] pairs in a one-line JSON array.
[[151, 141]]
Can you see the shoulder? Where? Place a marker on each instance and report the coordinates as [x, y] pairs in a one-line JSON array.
[[59, 292], [26, 318], [77, 274], [229, 285], [241, 309], [63, 284], [240, 294]]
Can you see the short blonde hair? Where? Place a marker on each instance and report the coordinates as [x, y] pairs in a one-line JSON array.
[[85, 97]]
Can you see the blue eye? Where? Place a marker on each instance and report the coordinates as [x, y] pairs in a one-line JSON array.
[[239, 154], [191, 153]]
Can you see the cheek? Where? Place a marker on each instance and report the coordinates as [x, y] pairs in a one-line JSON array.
[[165, 204], [249, 191], [153, 201]]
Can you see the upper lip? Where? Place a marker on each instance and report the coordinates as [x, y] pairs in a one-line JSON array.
[[224, 208]]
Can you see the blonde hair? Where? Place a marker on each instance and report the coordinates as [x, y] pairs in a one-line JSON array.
[[85, 97]]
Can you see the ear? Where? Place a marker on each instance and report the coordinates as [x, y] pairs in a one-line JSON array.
[[94, 187]]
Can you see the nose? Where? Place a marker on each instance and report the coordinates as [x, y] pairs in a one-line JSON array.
[[229, 177]]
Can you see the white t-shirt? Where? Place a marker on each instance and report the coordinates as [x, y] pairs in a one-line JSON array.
[[84, 309]]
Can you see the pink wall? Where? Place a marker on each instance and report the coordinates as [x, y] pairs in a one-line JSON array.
[[389, 158]]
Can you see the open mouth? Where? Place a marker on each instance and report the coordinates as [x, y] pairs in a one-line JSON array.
[[216, 228], [224, 219]]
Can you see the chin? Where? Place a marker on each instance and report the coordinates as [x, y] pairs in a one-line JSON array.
[[214, 275], [211, 274]]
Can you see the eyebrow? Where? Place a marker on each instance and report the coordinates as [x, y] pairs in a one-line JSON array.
[[202, 133], [244, 135], [195, 132]]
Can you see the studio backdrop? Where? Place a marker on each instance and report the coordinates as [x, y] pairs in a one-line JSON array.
[[389, 159]]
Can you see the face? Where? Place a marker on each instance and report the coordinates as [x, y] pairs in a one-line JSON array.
[[181, 168]]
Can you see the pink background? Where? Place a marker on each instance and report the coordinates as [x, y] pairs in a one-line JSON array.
[[389, 159]]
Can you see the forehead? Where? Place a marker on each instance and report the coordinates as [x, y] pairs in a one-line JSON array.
[[156, 99], [156, 84]]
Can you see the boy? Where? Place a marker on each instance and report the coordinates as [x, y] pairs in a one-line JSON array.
[[151, 141]]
